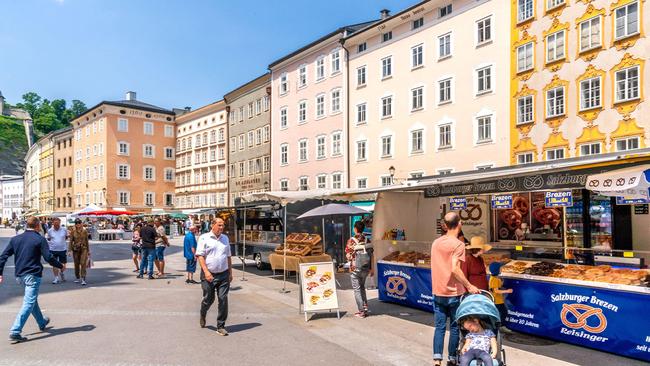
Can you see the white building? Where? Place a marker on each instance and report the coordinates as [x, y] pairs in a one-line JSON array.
[[32, 183], [11, 197]]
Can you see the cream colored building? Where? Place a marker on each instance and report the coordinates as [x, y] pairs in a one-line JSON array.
[[46, 178], [32, 180], [202, 158], [427, 92]]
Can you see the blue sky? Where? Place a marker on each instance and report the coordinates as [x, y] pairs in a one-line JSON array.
[[173, 53]]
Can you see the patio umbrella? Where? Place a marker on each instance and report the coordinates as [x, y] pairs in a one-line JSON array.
[[178, 216], [332, 209]]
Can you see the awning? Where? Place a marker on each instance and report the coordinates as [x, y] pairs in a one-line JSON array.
[[286, 197], [629, 183], [89, 208]]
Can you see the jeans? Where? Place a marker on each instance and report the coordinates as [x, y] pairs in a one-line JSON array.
[[30, 305], [476, 354], [220, 284], [147, 260], [445, 308], [160, 253], [358, 279]]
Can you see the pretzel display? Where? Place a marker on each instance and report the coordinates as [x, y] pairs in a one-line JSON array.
[[416, 258], [512, 218], [301, 244], [521, 204], [547, 216]]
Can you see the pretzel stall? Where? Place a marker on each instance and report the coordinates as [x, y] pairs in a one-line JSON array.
[[301, 248]]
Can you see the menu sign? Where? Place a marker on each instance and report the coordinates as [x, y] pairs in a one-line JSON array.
[[456, 203], [318, 286], [502, 201], [558, 199], [634, 201]]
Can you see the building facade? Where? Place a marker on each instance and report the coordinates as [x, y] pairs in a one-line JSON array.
[[32, 182], [427, 91], [308, 120], [11, 197], [46, 172], [201, 158], [63, 170], [578, 78], [124, 156], [249, 131]]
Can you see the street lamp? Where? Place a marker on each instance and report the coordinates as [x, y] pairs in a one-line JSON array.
[[266, 186], [391, 171]]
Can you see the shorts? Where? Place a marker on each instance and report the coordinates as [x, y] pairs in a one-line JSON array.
[[60, 255], [159, 254], [135, 249], [190, 265]]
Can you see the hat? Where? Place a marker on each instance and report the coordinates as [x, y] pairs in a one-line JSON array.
[[495, 268], [477, 242], [78, 221]]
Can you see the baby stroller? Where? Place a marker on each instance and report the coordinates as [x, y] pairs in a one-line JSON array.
[[481, 306]]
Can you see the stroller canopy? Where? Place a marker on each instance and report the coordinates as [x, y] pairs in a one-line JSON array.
[[477, 305]]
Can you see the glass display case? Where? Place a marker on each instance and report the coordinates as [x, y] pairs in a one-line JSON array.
[[260, 237], [600, 223], [575, 226], [403, 252]]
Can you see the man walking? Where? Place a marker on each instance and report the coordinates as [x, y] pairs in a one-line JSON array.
[[161, 243], [449, 284], [80, 251], [27, 249], [213, 254], [148, 237], [57, 240], [189, 251]]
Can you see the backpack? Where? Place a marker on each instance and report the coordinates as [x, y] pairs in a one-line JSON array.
[[361, 257]]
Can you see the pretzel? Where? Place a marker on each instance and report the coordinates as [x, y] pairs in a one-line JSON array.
[[521, 204], [512, 218], [547, 216]]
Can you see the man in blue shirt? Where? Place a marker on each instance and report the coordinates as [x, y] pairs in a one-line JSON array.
[[189, 251], [27, 249]]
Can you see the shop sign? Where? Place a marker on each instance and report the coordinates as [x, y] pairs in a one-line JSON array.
[[633, 201], [503, 201], [558, 199], [408, 286], [641, 209], [589, 317], [318, 286], [457, 203]]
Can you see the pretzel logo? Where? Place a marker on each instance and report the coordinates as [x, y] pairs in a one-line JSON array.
[[582, 313], [473, 212], [396, 285], [632, 180], [620, 182], [607, 183], [594, 183]]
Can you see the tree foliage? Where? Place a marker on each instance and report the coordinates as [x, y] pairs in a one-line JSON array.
[[49, 115]]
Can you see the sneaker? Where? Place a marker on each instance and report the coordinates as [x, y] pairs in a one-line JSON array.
[[202, 322], [222, 332], [187, 281], [47, 321], [77, 280], [16, 338], [151, 278], [139, 276], [360, 314], [83, 282], [55, 281], [194, 282]]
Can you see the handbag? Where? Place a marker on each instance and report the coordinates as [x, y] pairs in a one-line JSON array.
[[89, 262], [361, 256]]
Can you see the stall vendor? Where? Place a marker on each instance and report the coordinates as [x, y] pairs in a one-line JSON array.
[[474, 267]]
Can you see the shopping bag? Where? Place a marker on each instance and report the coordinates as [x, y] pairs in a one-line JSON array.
[[89, 262]]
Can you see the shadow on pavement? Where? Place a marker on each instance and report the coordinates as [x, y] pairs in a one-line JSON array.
[[53, 332], [237, 327]]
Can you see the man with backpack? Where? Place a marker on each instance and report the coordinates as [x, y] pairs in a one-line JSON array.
[[358, 252]]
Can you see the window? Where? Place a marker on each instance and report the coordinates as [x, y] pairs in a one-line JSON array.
[[302, 76], [524, 10], [555, 47], [417, 57], [267, 133], [386, 107], [386, 180], [417, 23], [484, 29], [590, 149], [336, 62], [444, 171], [386, 146], [627, 20], [320, 106], [258, 106], [251, 167], [233, 144], [302, 112], [484, 76], [555, 154], [123, 171], [169, 199], [525, 109], [169, 174], [283, 117], [386, 67], [241, 113], [525, 57], [444, 138], [484, 125], [555, 102], [251, 138], [417, 145], [284, 185], [416, 98], [122, 125], [336, 180], [258, 136], [361, 150], [361, 113], [284, 88], [320, 147], [149, 198], [336, 101], [361, 76], [148, 128], [416, 175], [629, 143], [284, 154], [242, 144], [387, 36], [124, 198], [362, 47], [590, 93], [258, 166], [303, 184], [627, 84], [267, 163], [336, 144], [266, 102], [213, 155], [321, 181], [123, 148], [213, 136], [444, 94], [241, 169], [444, 46], [444, 10], [149, 173], [590, 34], [198, 141], [222, 135], [250, 110], [362, 182], [169, 131], [148, 151], [320, 68]]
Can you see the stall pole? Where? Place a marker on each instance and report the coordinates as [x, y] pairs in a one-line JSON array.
[[284, 259], [243, 260]]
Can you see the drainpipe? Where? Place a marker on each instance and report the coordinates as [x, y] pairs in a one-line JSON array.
[[347, 111]]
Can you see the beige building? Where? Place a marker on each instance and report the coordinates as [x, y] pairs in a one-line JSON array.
[[32, 184], [63, 170], [124, 156], [201, 158], [46, 174], [427, 91]]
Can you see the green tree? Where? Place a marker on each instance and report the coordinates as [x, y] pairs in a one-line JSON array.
[[49, 115]]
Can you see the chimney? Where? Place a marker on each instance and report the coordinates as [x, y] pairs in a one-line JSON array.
[[130, 95], [385, 13], [188, 108]]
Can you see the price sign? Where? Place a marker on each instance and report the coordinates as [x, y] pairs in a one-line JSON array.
[[457, 203], [558, 199], [502, 201], [628, 254], [519, 248]]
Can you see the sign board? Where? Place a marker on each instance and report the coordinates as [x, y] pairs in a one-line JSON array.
[[634, 201], [558, 199], [457, 203], [408, 286], [641, 209], [502, 201], [318, 286]]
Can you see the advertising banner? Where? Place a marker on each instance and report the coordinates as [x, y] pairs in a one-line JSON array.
[[606, 320], [457, 203], [476, 217], [408, 286], [502, 201], [634, 201], [318, 286], [558, 199]]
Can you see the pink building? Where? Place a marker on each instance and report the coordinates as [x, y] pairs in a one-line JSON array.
[[308, 115]]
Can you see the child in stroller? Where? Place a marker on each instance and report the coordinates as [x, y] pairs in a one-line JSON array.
[[480, 339]]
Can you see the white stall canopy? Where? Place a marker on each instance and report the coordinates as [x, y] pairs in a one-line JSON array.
[[286, 197], [629, 183]]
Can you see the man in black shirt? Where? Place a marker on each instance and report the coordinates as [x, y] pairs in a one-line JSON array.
[[148, 235]]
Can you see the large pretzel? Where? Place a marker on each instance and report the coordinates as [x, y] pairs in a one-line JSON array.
[[547, 216], [512, 218], [521, 204]]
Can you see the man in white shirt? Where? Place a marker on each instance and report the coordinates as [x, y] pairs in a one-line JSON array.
[[213, 254], [57, 241]]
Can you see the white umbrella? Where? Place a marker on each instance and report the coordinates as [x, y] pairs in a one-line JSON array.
[[89, 208], [332, 209]]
